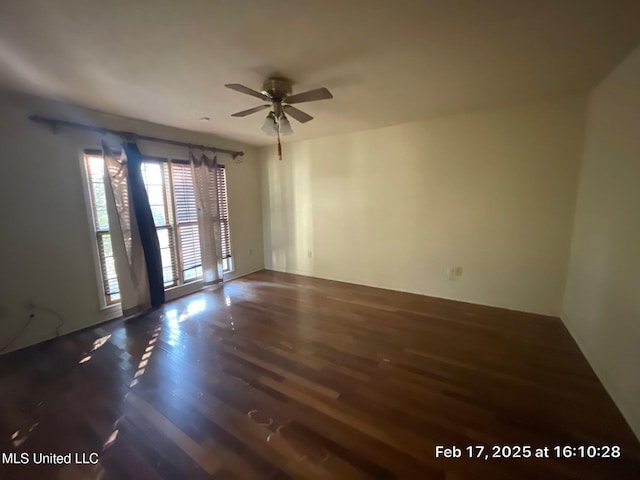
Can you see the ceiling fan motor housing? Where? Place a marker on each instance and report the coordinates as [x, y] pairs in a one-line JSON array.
[[277, 88], [278, 92]]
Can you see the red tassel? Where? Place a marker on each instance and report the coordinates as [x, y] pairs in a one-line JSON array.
[[279, 147]]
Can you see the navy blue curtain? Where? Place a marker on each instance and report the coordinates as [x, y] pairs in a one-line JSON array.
[[146, 225]]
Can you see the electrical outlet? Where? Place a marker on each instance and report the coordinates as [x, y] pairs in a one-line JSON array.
[[309, 254], [250, 251], [454, 272]]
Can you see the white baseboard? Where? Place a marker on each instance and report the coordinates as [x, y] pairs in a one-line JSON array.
[[114, 312], [62, 334], [239, 275], [415, 292], [184, 290]]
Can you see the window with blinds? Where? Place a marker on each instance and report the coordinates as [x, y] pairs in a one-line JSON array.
[[155, 175], [187, 229], [171, 192], [95, 174], [224, 219]]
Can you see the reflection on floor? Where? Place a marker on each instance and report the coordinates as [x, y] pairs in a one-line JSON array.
[[281, 376]]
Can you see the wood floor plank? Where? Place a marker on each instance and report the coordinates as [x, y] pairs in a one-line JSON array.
[[209, 462], [281, 376]]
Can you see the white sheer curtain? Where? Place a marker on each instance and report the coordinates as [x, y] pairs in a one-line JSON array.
[[128, 253], [205, 177]]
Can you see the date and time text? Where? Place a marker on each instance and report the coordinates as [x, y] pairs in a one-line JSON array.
[[483, 452]]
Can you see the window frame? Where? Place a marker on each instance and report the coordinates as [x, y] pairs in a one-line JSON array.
[[172, 225], [97, 233]]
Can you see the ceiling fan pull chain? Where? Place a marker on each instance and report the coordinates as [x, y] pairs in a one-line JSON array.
[[279, 147]]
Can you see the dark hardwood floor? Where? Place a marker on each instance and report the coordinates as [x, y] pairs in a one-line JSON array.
[[282, 376]]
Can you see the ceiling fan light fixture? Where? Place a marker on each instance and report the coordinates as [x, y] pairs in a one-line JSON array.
[[278, 92], [285, 126], [270, 126]]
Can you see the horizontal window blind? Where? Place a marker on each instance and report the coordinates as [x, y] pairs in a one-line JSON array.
[[107, 263], [189, 238], [186, 220], [171, 191], [95, 174], [184, 193], [223, 210], [155, 175]]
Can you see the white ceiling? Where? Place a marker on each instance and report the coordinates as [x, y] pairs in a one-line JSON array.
[[386, 62]]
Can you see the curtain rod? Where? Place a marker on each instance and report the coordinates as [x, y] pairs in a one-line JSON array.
[[127, 136]]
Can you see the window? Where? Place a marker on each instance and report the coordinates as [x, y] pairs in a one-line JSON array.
[[227, 264], [155, 175], [95, 173], [172, 199], [187, 221]]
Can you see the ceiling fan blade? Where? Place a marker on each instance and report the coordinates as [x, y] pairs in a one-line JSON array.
[[244, 113], [242, 89], [299, 115], [310, 96]]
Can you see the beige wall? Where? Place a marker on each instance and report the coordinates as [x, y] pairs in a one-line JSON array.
[[395, 207], [46, 241], [602, 298]]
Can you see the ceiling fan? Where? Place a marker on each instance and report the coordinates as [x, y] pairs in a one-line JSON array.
[[278, 92]]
